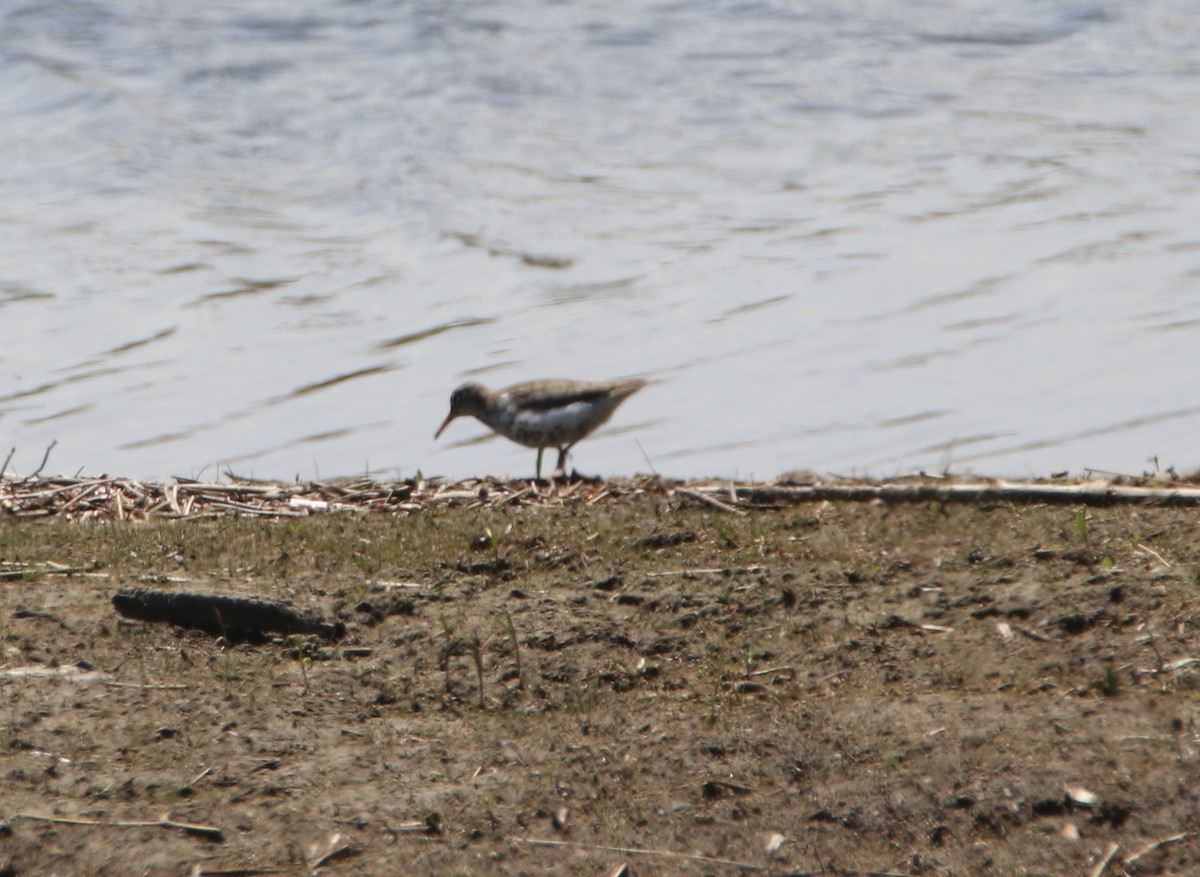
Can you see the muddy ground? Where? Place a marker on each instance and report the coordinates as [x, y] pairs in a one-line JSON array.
[[650, 683]]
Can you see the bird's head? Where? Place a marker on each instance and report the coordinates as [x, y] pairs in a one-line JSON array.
[[470, 399]]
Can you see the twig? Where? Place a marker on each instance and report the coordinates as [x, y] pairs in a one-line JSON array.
[[1108, 857], [191, 828], [7, 460], [513, 497], [634, 851], [509, 626], [82, 495], [145, 686], [1148, 550], [1032, 634], [38, 471], [646, 457], [1151, 847], [476, 648], [338, 849], [706, 572], [711, 500], [770, 670], [251, 509]]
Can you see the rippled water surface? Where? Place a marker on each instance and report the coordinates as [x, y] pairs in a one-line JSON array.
[[859, 236]]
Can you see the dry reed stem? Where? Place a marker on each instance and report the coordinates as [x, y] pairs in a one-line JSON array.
[[190, 828]]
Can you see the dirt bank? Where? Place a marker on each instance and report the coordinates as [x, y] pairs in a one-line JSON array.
[[650, 680]]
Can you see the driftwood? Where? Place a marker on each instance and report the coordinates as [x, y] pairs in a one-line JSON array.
[[224, 614], [1088, 494]]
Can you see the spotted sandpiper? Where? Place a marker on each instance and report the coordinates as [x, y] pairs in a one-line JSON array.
[[541, 414]]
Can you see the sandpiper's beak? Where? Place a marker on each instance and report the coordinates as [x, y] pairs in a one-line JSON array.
[[445, 423]]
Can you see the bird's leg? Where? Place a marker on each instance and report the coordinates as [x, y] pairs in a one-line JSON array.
[[539, 462], [562, 460]]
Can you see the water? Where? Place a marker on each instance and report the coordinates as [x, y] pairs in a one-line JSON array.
[[860, 236]]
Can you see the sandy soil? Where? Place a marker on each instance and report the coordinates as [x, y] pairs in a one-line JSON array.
[[827, 689]]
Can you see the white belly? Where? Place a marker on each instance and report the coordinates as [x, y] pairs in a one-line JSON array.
[[551, 427]]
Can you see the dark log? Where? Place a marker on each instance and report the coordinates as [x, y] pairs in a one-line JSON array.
[[1093, 494], [225, 614]]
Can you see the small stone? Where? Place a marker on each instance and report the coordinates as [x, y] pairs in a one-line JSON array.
[[560, 819]]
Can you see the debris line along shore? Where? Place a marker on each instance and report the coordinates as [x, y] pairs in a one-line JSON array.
[[124, 499]]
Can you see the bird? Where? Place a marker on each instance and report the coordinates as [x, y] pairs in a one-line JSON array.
[[540, 414]]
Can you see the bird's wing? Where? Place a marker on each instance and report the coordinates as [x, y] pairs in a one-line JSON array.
[[542, 395]]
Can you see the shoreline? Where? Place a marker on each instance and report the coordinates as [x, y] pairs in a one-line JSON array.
[[115, 498]]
